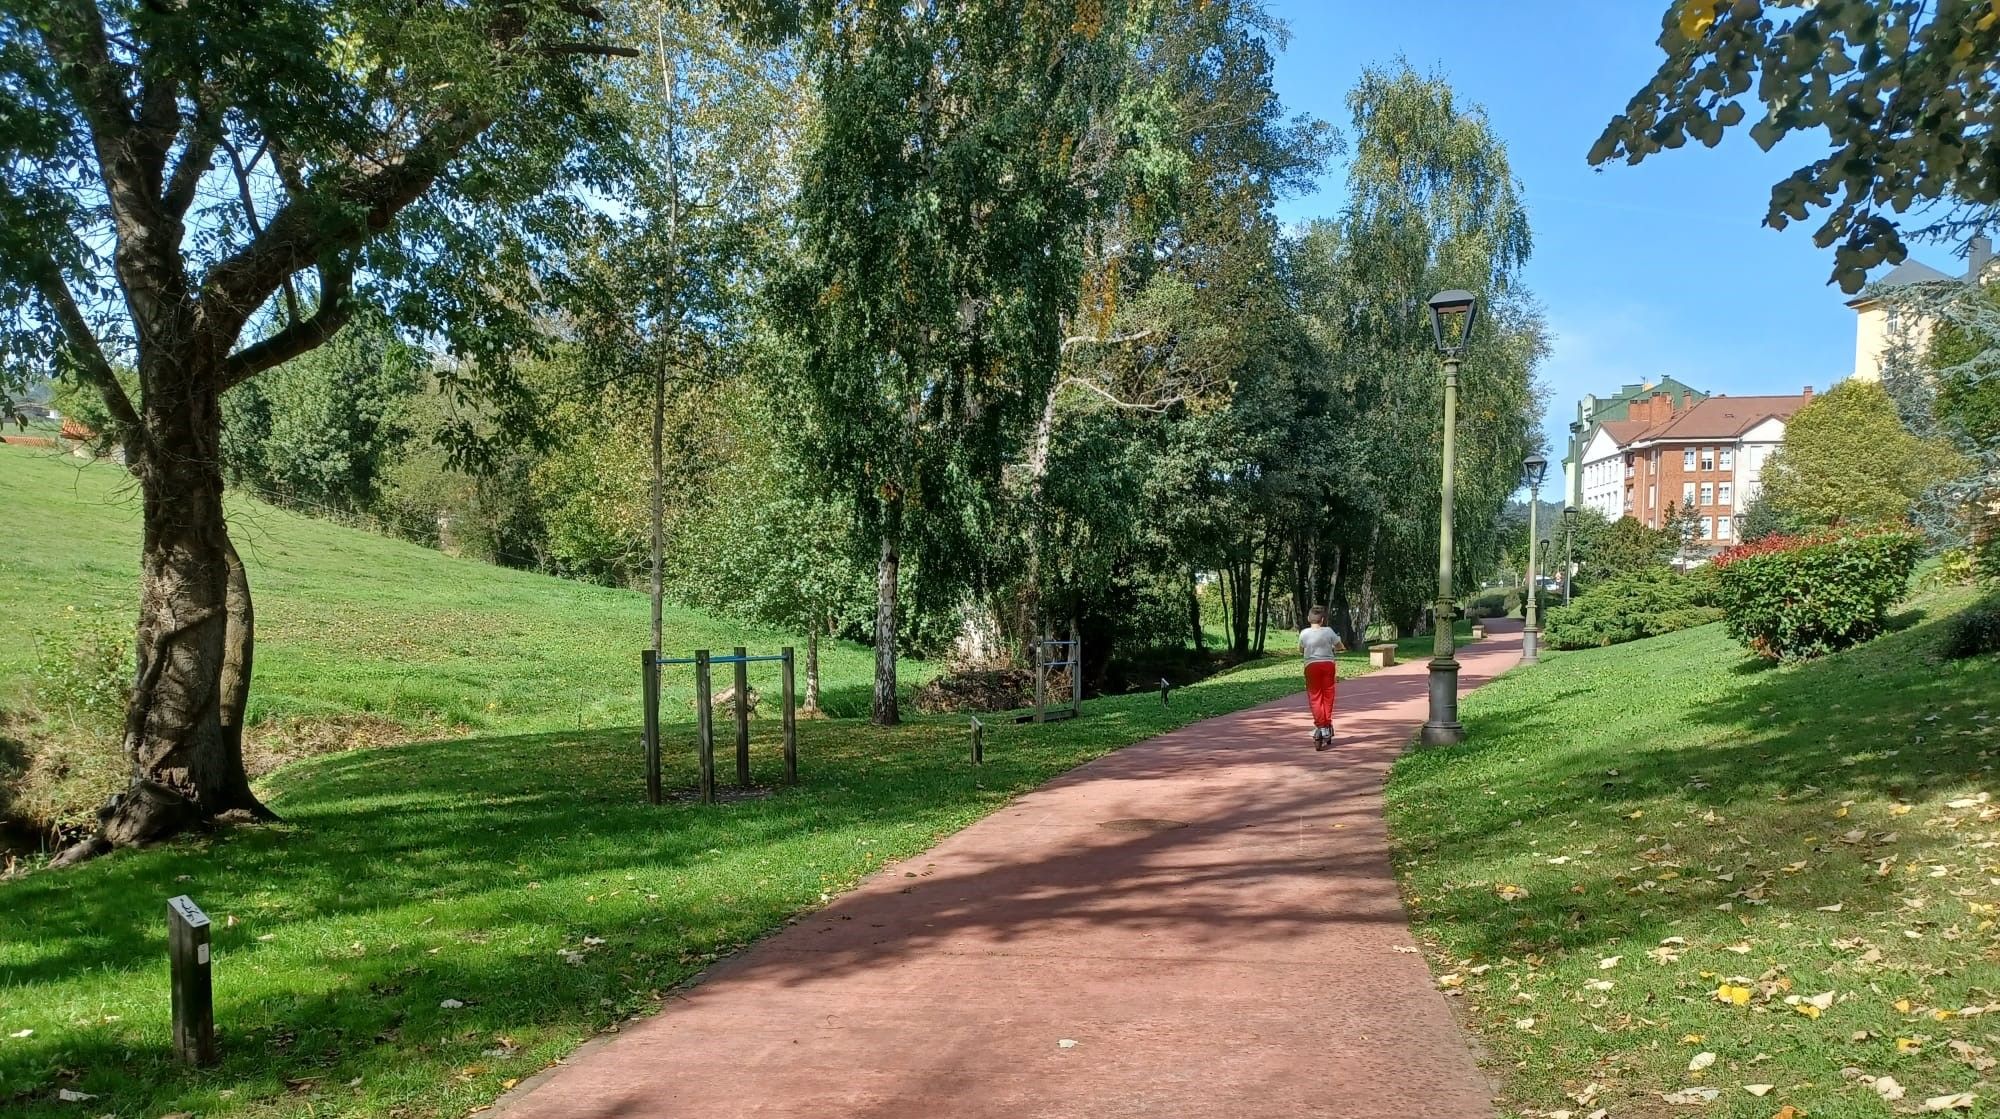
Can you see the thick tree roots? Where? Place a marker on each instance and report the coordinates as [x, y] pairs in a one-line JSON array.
[[149, 812]]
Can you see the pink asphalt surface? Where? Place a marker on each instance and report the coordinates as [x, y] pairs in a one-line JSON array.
[[1241, 964]]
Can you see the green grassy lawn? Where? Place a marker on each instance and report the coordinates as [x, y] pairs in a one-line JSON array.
[[521, 875], [511, 867], [360, 638], [1736, 876]]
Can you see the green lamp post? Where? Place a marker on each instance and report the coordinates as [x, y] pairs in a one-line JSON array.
[[1533, 470], [1453, 314]]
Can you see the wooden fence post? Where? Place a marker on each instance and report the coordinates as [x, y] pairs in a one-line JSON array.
[[1075, 669], [649, 688], [742, 716], [978, 742], [193, 990], [704, 723], [791, 717], [1041, 671]]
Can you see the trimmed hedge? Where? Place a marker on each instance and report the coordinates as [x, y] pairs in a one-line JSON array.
[[1629, 607], [1494, 604], [1790, 597]]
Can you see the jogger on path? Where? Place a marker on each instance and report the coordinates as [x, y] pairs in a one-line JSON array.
[[1317, 644]]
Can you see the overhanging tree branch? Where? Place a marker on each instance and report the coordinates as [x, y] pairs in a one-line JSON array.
[[303, 232], [90, 359], [335, 307]]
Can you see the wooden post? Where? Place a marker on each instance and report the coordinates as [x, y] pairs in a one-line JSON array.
[[791, 717], [742, 717], [193, 991], [978, 742], [1041, 671], [1075, 669], [649, 688], [704, 724]]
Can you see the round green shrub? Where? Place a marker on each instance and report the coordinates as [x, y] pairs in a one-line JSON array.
[[1789, 597]]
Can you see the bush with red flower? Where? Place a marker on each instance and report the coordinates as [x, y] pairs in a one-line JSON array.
[[1792, 597]]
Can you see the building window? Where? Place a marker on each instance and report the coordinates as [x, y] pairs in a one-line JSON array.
[[1726, 458], [1722, 493], [1687, 493], [1708, 528], [1652, 496], [1687, 459], [1708, 493], [1722, 527], [1708, 458]]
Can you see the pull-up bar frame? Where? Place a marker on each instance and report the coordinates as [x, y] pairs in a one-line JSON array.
[[650, 663]]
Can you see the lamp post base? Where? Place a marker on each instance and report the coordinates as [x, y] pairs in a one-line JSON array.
[[1531, 645], [1443, 728]]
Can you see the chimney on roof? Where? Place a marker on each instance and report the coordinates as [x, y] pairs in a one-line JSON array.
[[1808, 391], [1977, 256]]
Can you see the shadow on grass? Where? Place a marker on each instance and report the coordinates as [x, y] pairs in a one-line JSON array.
[[464, 869], [1752, 753]]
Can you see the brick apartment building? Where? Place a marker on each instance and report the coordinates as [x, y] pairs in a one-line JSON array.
[[1709, 455]]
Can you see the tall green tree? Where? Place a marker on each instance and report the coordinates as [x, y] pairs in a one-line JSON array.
[[206, 190], [320, 430], [1849, 461], [1901, 90], [936, 261], [1433, 204]]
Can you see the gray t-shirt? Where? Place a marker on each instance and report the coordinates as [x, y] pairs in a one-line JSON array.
[[1318, 643]]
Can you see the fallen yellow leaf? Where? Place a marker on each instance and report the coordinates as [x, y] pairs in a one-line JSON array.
[[1733, 995]]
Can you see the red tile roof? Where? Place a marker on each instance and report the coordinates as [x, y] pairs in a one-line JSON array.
[[1721, 417]]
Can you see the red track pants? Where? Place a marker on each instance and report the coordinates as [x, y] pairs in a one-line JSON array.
[[1320, 683]]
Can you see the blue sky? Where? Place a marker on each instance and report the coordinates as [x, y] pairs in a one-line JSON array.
[[1664, 268]]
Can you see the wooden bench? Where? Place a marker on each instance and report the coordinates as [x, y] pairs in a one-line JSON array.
[[1381, 656]]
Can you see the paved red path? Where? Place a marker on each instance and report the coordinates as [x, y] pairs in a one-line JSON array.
[[1242, 965]]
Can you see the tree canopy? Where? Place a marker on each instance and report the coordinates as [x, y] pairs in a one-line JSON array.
[[1901, 90]]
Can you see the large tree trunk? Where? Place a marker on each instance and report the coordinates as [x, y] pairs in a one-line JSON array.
[[1038, 473], [184, 718], [885, 710], [1194, 611], [812, 672]]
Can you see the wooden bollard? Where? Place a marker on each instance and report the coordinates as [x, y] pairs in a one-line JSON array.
[[742, 716], [978, 742], [1166, 686], [193, 991]]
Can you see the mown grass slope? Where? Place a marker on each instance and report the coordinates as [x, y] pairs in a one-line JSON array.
[[1665, 870], [437, 919], [350, 623]]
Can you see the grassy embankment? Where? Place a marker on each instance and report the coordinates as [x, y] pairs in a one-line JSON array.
[[360, 638], [1773, 884], [513, 869]]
